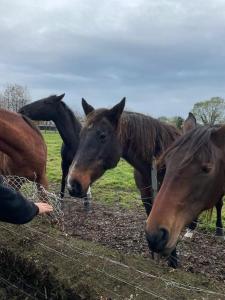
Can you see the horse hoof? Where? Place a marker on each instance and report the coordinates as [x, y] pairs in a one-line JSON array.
[[189, 234], [220, 237]]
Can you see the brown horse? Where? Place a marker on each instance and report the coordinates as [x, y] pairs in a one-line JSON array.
[[194, 182], [23, 150], [109, 134], [189, 124]]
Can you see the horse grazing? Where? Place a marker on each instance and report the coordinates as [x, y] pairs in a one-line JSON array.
[[189, 124], [109, 134], [23, 150], [52, 108], [194, 181]]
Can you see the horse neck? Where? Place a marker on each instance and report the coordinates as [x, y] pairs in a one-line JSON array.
[[130, 150], [68, 126], [136, 161], [142, 138]]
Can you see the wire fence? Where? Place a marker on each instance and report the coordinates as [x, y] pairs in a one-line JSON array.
[[35, 193], [140, 282]]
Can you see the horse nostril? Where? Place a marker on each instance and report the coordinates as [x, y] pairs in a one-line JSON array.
[[75, 189], [164, 235], [158, 240]]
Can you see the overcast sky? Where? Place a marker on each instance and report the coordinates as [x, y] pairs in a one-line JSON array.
[[163, 55]]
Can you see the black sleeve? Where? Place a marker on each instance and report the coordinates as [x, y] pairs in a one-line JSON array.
[[14, 208]]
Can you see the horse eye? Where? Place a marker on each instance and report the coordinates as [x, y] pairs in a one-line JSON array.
[[102, 137], [206, 168]]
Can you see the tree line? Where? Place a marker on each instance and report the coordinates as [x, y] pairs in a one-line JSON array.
[[207, 112]]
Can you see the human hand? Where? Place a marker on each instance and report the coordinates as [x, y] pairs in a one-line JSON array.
[[44, 207]]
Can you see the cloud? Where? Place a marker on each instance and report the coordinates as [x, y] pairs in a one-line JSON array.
[[163, 55]]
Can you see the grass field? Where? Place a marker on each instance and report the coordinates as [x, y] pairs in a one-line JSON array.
[[116, 186]]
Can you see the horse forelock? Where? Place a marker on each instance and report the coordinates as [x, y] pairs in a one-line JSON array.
[[95, 116]]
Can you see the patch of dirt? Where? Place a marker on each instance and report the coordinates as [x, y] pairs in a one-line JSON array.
[[123, 230]]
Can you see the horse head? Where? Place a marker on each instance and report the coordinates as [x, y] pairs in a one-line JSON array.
[[194, 182], [99, 148]]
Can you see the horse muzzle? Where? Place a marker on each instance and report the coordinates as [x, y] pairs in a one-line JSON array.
[[158, 240], [75, 189]]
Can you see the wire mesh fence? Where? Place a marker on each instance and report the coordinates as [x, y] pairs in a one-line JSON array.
[[36, 193], [113, 273]]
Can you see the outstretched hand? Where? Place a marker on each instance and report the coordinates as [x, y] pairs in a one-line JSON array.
[[44, 207]]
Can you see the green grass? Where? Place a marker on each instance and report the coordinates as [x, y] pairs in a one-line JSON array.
[[116, 186], [54, 142]]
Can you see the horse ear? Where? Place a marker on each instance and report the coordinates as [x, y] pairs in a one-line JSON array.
[[87, 107], [218, 137], [115, 112], [59, 98], [54, 98], [190, 123]]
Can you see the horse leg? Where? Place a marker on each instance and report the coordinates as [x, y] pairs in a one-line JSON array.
[[219, 225], [65, 170], [144, 186], [63, 184], [173, 260], [42, 186], [190, 228]]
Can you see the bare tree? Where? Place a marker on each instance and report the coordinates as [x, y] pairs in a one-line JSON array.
[[210, 112], [14, 97]]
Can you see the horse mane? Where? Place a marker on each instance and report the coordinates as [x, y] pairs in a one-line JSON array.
[[32, 125], [73, 116], [196, 143], [145, 135]]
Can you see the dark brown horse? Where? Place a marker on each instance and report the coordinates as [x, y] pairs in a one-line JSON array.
[[109, 134], [194, 182], [54, 109], [23, 150]]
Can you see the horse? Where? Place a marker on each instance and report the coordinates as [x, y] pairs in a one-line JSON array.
[[23, 150], [108, 135], [54, 109], [189, 124], [194, 182]]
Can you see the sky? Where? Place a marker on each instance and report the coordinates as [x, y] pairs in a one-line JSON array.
[[163, 55]]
